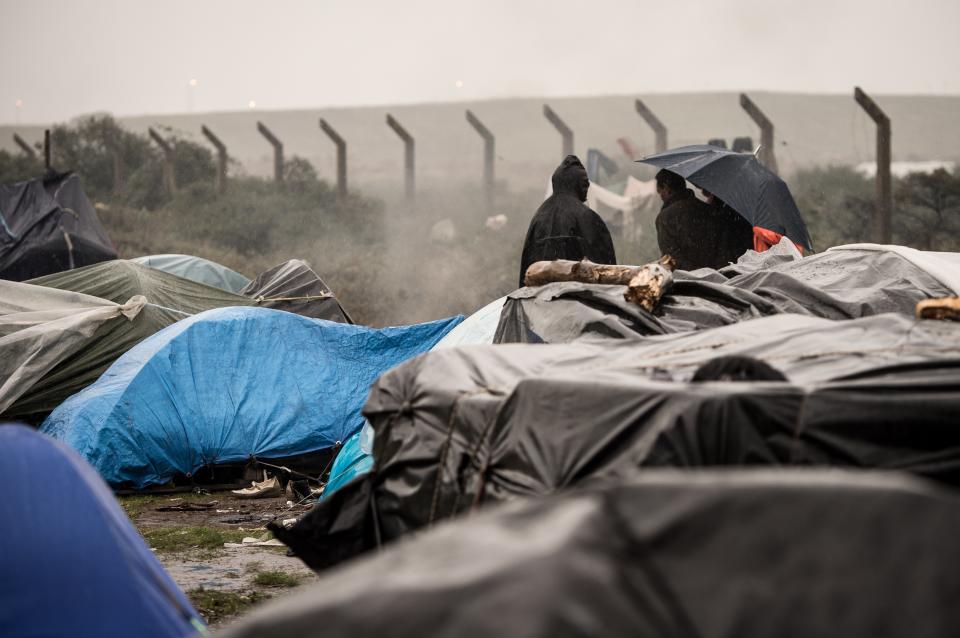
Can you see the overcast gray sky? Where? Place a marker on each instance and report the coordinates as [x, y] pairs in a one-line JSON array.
[[61, 58]]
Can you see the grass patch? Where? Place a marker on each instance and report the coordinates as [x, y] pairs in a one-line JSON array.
[[217, 606], [276, 578], [179, 539]]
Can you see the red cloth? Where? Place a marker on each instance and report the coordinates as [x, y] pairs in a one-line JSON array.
[[765, 239]]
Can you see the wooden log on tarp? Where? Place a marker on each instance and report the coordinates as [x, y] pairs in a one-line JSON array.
[[946, 308], [651, 283], [646, 284]]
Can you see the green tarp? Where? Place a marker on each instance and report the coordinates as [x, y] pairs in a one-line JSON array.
[[168, 299]]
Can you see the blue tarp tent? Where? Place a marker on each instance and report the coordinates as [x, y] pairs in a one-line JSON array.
[[228, 385], [71, 562], [355, 458], [197, 269]]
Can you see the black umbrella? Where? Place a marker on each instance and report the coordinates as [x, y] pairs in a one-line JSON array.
[[742, 182]]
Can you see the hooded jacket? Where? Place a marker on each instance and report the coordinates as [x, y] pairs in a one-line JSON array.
[[564, 227], [698, 235]]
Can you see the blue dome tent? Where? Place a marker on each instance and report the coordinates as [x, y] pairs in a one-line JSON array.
[[230, 385], [72, 563]]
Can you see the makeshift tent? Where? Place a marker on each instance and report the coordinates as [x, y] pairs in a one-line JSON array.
[[197, 269], [355, 458], [48, 225], [230, 385], [72, 563], [476, 329], [41, 327], [855, 281], [695, 554], [467, 426], [294, 286], [76, 342]]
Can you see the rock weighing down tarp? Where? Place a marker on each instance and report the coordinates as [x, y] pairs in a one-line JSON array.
[[846, 283], [230, 385], [72, 563], [48, 225], [197, 269], [68, 328], [469, 426], [708, 555]]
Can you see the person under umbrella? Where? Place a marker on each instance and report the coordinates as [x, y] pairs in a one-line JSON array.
[[696, 234], [564, 227], [745, 185]]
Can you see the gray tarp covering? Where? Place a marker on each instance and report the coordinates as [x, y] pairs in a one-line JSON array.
[[168, 299], [466, 426], [838, 284], [196, 269], [735, 554], [293, 286]]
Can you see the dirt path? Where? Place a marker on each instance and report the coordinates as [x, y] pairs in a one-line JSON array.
[[223, 582]]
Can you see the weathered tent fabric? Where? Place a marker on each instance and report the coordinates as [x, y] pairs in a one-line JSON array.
[[478, 328], [120, 279], [294, 286], [196, 269], [41, 327], [72, 563], [696, 554], [168, 299], [837, 284], [230, 385], [48, 225], [469, 426], [945, 267], [354, 459]]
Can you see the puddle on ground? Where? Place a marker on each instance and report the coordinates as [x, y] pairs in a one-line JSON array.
[[233, 569]]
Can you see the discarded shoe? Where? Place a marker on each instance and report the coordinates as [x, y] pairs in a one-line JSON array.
[[264, 489]]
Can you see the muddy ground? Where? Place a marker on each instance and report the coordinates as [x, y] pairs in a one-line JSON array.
[[223, 582]]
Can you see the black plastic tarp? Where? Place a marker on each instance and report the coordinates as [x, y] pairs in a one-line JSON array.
[[294, 286], [47, 226], [469, 426], [731, 554], [838, 284]]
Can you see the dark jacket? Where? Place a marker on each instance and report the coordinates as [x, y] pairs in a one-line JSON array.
[[698, 235], [564, 227]]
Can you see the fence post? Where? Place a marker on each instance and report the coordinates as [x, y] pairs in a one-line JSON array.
[[22, 143], [408, 156], [341, 157], [882, 216], [277, 151], [767, 156], [489, 149], [654, 122], [169, 175], [565, 131], [46, 149], [221, 158], [118, 177]]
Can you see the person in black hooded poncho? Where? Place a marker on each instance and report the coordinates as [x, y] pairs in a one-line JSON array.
[[564, 227]]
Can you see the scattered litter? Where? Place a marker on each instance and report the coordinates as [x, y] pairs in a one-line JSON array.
[[264, 489], [188, 507], [250, 541]]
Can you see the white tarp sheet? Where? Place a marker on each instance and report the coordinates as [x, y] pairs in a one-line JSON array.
[[40, 327]]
